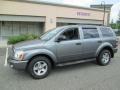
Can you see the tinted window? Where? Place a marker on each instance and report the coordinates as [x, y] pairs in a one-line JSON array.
[[106, 32], [90, 33], [50, 34], [71, 34]]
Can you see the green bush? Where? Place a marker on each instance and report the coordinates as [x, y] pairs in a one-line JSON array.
[[118, 33], [19, 38]]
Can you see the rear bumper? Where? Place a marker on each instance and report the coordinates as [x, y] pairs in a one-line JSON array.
[[17, 64], [115, 50]]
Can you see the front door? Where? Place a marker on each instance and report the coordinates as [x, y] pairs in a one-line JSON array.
[[70, 48]]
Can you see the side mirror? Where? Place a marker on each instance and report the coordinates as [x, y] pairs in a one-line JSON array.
[[61, 38]]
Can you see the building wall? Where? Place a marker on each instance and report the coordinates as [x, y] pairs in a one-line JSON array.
[[51, 12]]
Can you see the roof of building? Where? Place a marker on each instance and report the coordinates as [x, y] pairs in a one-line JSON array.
[[108, 6], [58, 4]]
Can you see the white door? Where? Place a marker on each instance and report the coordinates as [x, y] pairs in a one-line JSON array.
[[24, 28], [16, 28], [34, 28], [13, 28], [7, 29]]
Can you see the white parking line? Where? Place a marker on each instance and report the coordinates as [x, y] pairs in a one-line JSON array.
[[5, 64]]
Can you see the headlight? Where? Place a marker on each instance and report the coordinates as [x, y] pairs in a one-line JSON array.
[[19, 55]]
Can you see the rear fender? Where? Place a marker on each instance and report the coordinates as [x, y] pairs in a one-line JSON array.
[[100, 48]]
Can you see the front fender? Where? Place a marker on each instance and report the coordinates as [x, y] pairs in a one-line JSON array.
[[103, 45], [31, 53]]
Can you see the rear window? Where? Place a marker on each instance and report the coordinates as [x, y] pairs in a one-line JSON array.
[[106, 32]]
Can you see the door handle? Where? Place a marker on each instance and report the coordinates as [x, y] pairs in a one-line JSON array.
[[99, 41], [78, 43]]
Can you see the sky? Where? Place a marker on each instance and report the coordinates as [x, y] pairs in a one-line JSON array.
[[86, 3]]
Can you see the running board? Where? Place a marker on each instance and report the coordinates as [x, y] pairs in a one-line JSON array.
[[75, 62]]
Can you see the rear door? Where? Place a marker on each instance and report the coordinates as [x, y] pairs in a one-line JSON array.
[[91, 41]]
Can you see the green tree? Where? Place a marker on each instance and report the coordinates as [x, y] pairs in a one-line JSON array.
[[112, 24], [112, 21], [118, 21], [116, 25]]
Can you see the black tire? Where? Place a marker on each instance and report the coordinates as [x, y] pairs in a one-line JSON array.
[[100, 59], [33, 63]]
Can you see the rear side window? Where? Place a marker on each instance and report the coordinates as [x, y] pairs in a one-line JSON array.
[[106, 32], [90, 33]]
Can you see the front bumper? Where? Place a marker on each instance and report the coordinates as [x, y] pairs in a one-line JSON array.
[[18, 64]]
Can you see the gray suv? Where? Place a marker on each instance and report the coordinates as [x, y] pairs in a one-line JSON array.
[[64, 46]]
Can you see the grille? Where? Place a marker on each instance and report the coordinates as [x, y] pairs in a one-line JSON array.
[[11, 52]]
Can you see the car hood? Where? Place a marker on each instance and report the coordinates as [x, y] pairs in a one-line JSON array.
[[28, 45]]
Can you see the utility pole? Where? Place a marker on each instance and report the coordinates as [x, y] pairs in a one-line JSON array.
[[103, 4]]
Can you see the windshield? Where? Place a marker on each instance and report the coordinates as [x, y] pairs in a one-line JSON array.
[[50, 34]]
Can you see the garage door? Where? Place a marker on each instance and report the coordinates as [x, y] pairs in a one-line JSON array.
[[13, 28], [11, 25]]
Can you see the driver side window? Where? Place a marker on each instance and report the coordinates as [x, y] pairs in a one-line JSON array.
[[71, 34]]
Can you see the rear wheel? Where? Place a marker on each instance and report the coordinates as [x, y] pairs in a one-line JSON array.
[[39, 67], [104, 57]]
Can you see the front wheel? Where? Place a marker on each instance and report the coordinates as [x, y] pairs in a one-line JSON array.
[[104, 57], [39, 67]]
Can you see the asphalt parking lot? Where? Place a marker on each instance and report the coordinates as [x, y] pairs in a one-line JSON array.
[[86, 76]]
